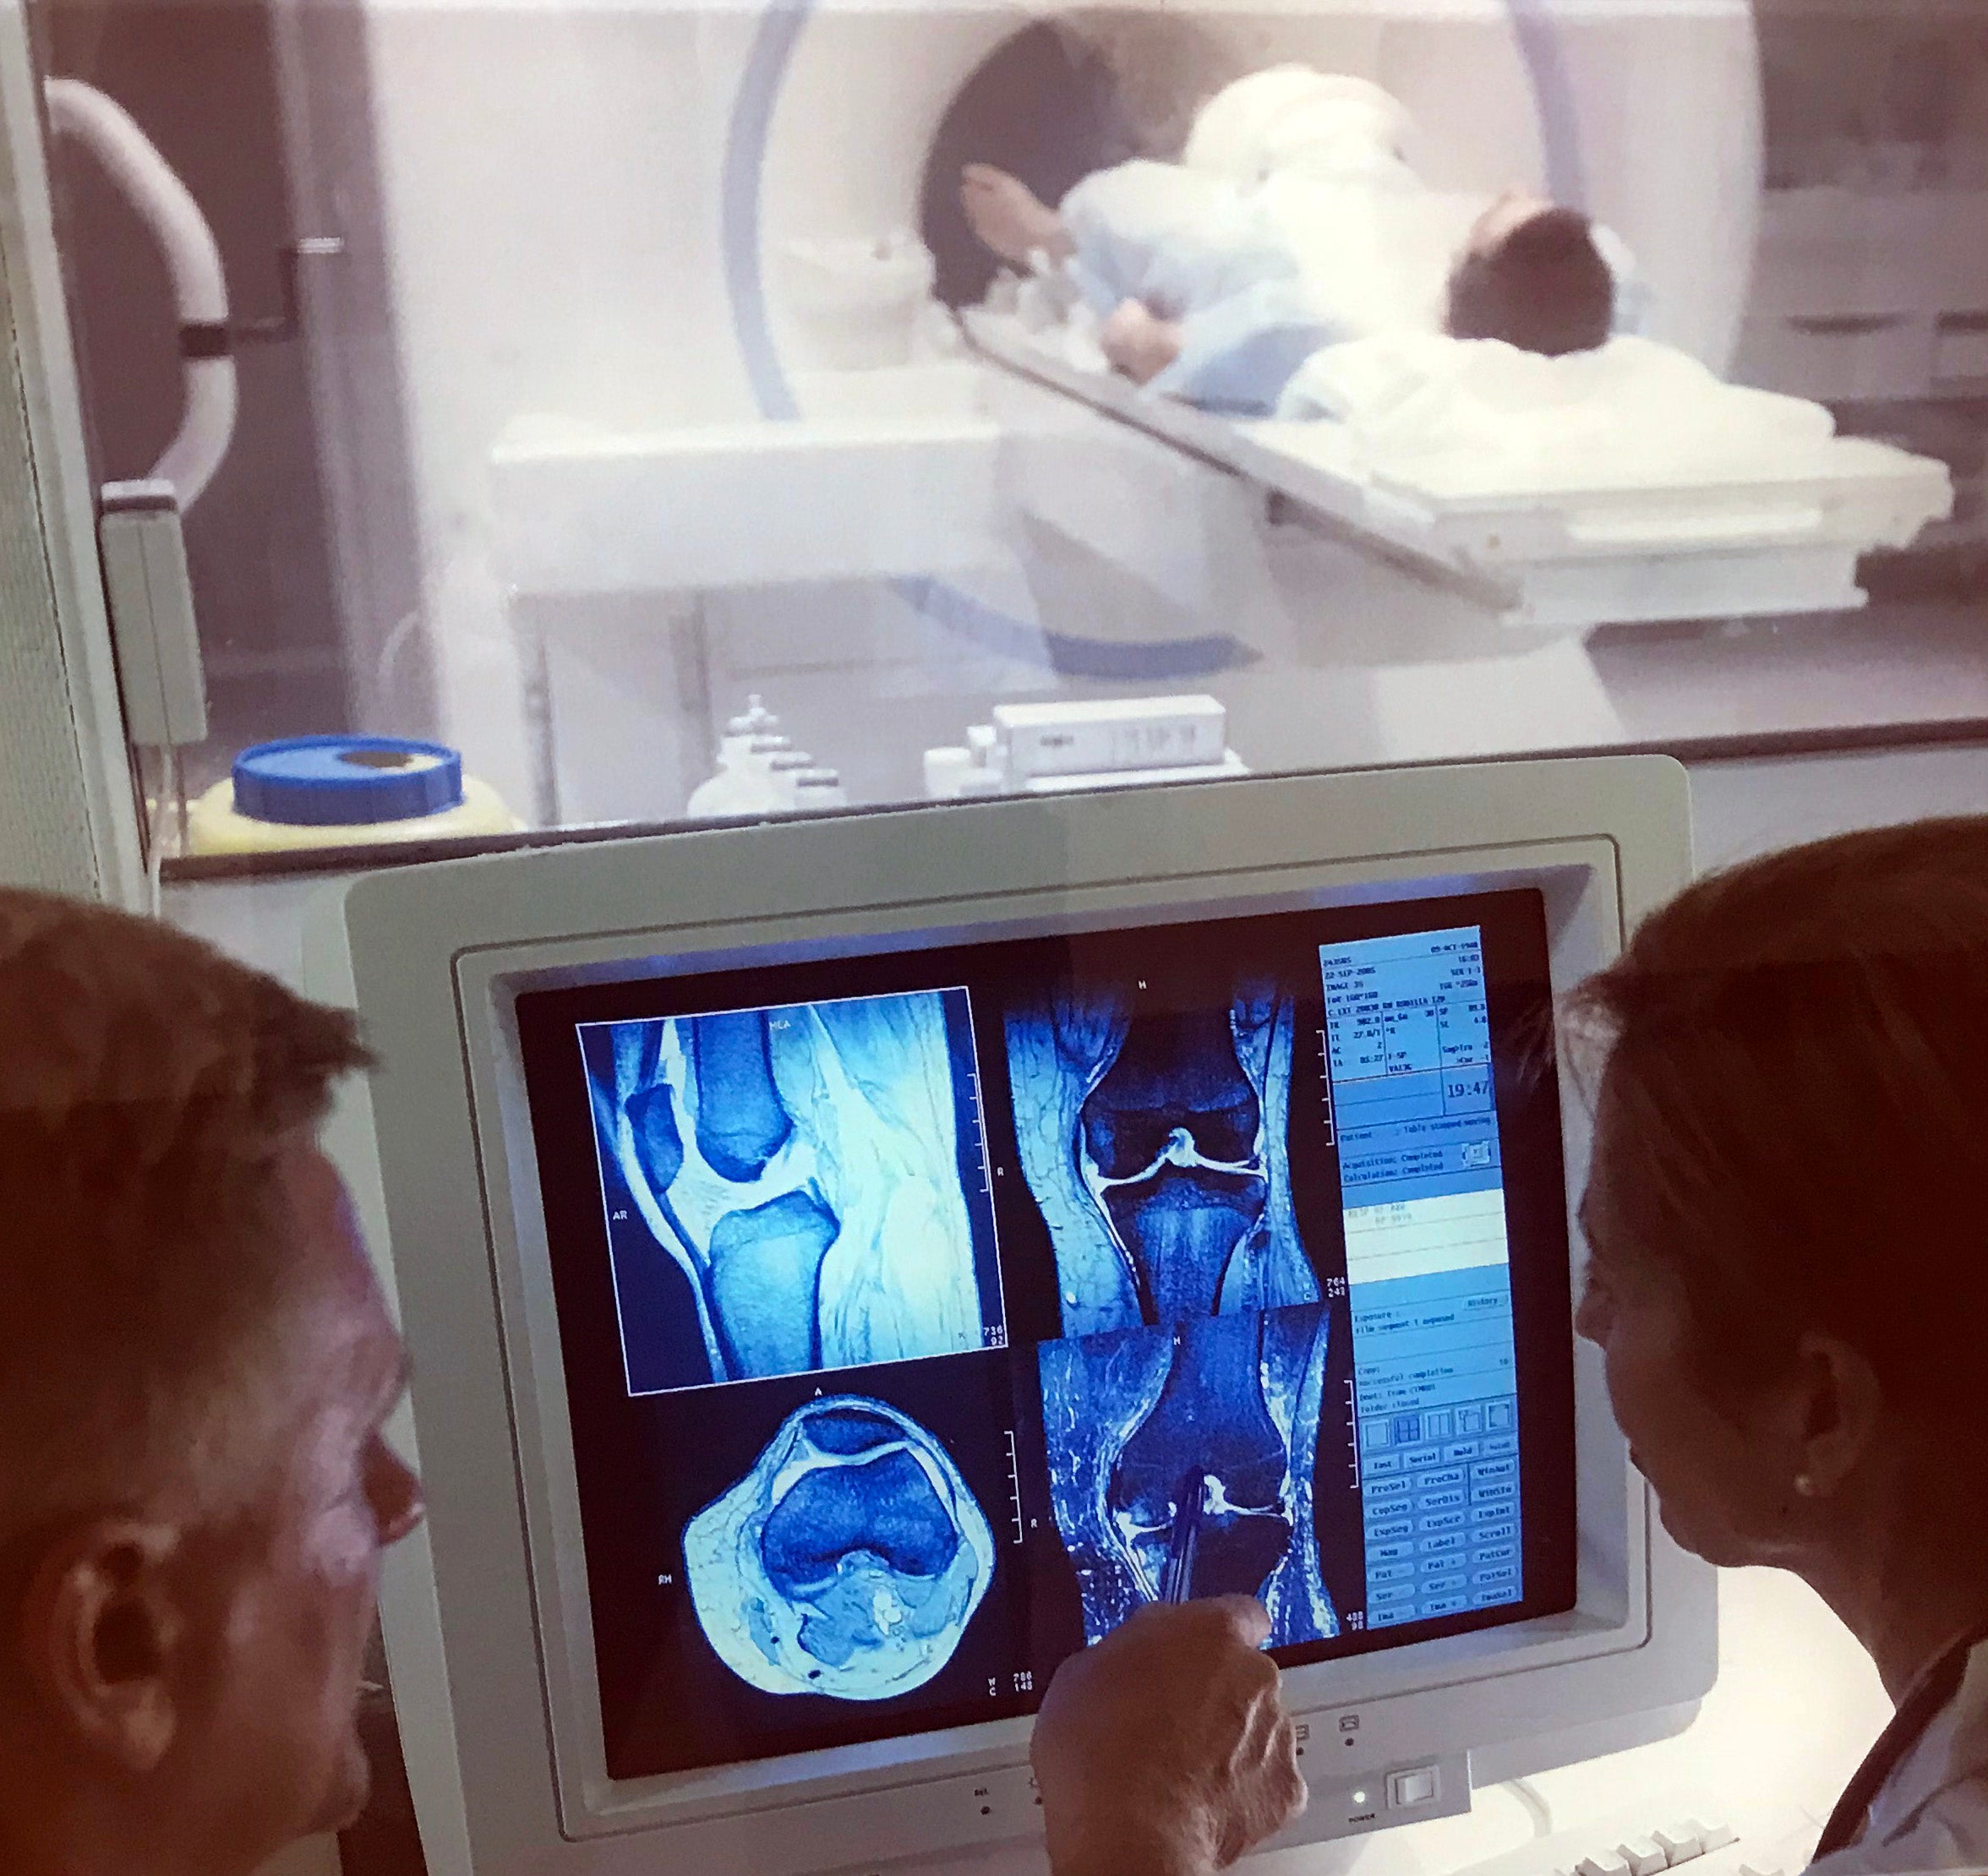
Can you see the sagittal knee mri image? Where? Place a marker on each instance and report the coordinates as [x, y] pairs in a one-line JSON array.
[[816, 1173], [849, 1560], [1157, 1146], [1181, 1465]]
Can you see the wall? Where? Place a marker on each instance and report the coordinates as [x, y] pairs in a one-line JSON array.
[[256, 541], [45, 833], [67, 814], [1741, 808]]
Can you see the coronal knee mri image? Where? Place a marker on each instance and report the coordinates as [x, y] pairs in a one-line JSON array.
[[847, 1561], [1181, 1465], [816, 1172], [1157, 1147]]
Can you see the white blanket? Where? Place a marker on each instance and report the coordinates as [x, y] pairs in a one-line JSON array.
[[1477, 416]]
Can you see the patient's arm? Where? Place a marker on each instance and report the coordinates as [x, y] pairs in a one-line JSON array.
[[1137, 341], [1009, 219]]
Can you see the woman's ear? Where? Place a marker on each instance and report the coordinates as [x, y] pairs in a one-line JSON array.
[[1841, 1406], [101, 1632]]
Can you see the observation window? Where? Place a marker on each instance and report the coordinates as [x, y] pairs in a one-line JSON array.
[[577, 413]]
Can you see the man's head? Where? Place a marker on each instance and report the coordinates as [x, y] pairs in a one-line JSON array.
[[195, 1369], [1531, 275]]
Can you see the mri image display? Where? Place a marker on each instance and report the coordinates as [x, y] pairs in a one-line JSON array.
[[816, 1172], [1157, 1146], [846, 1562], [1181, 1465], [926, 1313]]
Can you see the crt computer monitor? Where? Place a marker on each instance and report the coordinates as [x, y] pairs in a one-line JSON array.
[[850, 1265]]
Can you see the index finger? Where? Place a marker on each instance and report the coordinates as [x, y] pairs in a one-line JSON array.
[[1245, 1615]]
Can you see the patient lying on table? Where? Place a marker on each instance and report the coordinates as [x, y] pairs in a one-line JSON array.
[[1293, 225]]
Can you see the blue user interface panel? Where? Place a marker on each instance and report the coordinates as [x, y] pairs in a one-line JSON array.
[[1428, 1272], [926, 1313]]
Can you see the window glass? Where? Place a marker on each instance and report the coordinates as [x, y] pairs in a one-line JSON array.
[[642, 410]]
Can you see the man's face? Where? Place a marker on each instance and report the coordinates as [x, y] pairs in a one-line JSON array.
[[286, 1592]]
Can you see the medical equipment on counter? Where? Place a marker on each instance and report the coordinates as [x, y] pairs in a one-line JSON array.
[[828, 1112], [861, 302], [1731, 542], [761, 772], [744, 783], [342, 791], [814, 790], [1043, 748]]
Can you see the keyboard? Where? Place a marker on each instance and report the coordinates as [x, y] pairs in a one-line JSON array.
[[1633, 1844]]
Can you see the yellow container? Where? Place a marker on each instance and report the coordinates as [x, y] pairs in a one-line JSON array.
[[215, 826]]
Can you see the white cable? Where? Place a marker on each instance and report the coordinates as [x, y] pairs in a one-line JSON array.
[[193, 260], [1532, 1801], [206, 428]]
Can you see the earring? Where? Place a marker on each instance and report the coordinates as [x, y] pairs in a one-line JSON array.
[[1805, 1486]]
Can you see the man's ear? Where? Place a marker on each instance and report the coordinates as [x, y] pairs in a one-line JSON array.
[[1843, 1408], [102, 1630]]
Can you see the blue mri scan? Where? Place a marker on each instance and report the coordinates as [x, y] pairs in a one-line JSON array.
[[1157, 1149], [848, 1562], [1181, 1463], [816, 1172]]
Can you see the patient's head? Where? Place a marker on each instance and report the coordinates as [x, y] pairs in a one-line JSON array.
[[1531, 275], [195, 1368]]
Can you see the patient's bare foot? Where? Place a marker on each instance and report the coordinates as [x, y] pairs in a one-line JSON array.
[[1138, 342], [1009, 219]]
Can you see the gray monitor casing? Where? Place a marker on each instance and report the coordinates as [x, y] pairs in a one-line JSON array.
[[486, 1612]]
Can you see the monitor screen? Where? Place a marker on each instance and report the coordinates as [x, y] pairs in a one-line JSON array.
[[926, 1312]]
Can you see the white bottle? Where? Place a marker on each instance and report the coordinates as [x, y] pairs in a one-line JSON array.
[[754, 720], [816, 790], [954, 773], [784, 769], [742, 785]]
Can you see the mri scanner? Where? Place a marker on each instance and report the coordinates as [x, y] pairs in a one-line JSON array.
[[684, 424]]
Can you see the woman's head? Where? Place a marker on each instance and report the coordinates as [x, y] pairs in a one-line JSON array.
[[1788, 1210]]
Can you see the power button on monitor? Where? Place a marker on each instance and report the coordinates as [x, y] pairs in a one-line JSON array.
[[1407, 1789]]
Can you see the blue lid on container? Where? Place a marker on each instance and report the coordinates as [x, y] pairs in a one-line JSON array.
[[346, 781]]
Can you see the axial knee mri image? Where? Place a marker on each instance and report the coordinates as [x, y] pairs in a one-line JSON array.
[[814, 1172], [1181, 1465], [846, 1562], [1157, 1147]]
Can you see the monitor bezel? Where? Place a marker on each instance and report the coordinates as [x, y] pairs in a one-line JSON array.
[[473, 1664], [1577, 880]]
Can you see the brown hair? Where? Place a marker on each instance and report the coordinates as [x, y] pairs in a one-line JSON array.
[[147, 1087], [1796, 1073], [1544, 288]]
